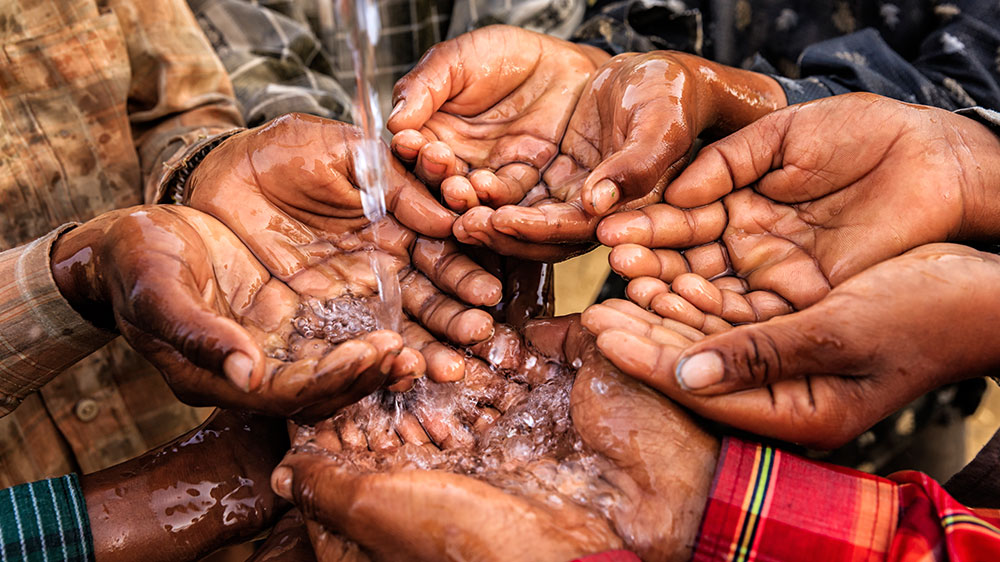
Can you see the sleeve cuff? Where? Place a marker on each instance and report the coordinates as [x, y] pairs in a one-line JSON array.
[[769, 505], [168, 185], [46, 520], [40, 332]]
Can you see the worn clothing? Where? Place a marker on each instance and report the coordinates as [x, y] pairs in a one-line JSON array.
[[769, 505], [279, 62], [45, 521], [940, 53], [94, 96]]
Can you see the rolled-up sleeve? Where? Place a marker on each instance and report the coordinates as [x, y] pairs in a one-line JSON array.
[[40, 332], [179, 93]]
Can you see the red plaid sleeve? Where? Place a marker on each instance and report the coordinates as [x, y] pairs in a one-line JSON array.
[[769, 505]]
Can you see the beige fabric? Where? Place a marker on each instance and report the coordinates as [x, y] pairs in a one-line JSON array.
[[95, 96]]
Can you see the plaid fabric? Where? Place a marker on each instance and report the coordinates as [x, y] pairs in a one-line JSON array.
[[40, 333], [45, 521], [769, 505], [94, 97], [280, 61]]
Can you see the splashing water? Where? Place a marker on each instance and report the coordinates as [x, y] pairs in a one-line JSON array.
[[360, 21]]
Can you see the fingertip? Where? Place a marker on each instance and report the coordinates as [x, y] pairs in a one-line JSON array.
[[281, 482], [472, 326], [444, 364], [630, 227], [239, 368], [459, 194], [632, 261], [600, 198]]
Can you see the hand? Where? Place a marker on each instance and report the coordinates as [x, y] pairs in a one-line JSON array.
[[182, 501], [496, 100], [632, 130], [187, 294], [286, 189], [837, 185], [461, 469], [824, 375]]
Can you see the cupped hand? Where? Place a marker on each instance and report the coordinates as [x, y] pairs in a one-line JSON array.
[[823, 375], [815, 194], [526, 453], [496, 100], [288, 190], [632, 130], [190, 296]]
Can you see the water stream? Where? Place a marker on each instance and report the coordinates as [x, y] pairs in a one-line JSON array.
[[359, 21]]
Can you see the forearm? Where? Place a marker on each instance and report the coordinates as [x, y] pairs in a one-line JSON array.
[[730, 98], [41, 334], [190, 497]]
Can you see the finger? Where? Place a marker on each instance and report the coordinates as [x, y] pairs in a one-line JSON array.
[[664, 226], [699, 291], [441, 315], [731, 163], [633, 261], [546, 223], [408, 365], [406, 145], [507, 186], [171, 308], [455, 273], [423, 90], [459, 194], [349, 372], [475, 227], [647, 159], [599, 319], [435, 162], [783, 348], [443, 363], [414, 206], [638, 356]]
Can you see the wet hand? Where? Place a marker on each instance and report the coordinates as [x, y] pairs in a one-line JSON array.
[[823, 375], [190, 296], [815, 194], [492, 103], [632, 130], [288, 190], [364, 477]]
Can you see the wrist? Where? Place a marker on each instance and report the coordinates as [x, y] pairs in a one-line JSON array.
[[74, 262], [978, 155], [730, 98]]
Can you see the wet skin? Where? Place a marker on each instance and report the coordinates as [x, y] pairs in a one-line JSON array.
[[814, 194], [288, 190], [496, 99], [632, 131], [824, 375], [189, 497], [608, 463], [186, 293]]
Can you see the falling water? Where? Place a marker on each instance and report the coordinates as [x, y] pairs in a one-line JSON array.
[[360, 22]]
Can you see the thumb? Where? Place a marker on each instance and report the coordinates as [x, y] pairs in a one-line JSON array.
[[795, 346], [643, 165], [732, 163], [170, 309], [423, 90]]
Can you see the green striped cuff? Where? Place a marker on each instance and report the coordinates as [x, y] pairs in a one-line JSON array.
[[45, 521]]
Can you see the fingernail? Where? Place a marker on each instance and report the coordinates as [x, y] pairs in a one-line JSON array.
[[605, 196], [281, 482], [701, 370], [395, 109], [238, 368]]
